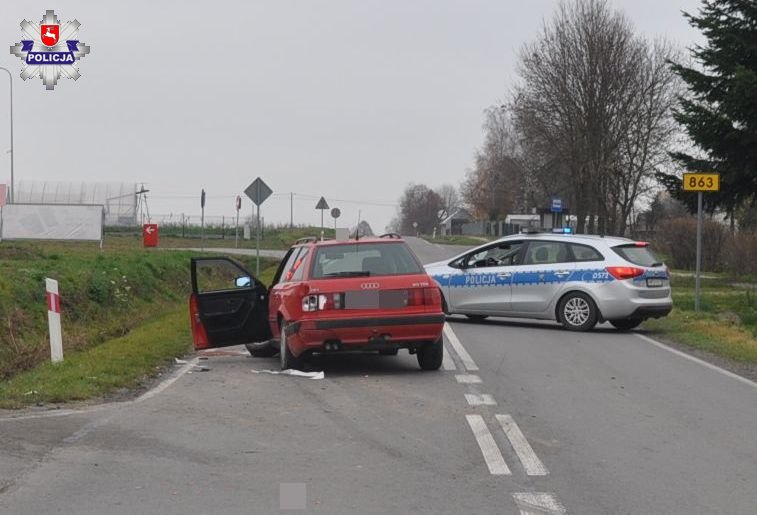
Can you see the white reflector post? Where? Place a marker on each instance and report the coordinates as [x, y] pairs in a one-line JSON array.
[[53, 319]]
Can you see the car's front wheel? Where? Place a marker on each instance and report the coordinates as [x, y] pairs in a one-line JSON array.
[[626, 324], [430, 356], [577, 312], [287, 358]]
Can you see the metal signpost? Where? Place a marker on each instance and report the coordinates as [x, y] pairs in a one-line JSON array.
[[202, 220], [700, 182], [238, 204], [335, 213], [258, 191], [322, 204]]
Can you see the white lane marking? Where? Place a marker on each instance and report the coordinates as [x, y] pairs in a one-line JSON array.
[[168, 382], [467, 378], [531, 463], [697, 360], [447, 363], [538, 503], [468, 362], [489, 449], [480, 400]]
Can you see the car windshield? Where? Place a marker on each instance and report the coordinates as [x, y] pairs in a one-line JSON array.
[[638, 255], [364, 259]]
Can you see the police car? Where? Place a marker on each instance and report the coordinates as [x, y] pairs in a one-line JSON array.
[[578, 280]]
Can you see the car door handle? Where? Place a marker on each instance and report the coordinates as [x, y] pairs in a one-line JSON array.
[[562, 273], [504, 274]]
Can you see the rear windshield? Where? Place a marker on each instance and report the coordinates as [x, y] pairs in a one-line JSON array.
[[642, 256], [364, 259]]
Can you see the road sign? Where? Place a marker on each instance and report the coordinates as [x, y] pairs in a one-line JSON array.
[[335, 212], [695, 181], [150, 235], [322, 204], [202, 198], [556, 205], [700, 182], [258, 191], [238, 203]]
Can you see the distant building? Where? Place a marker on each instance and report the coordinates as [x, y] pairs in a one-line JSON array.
[[453, 224]]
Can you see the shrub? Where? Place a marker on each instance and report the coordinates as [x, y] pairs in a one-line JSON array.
[[677, 238]]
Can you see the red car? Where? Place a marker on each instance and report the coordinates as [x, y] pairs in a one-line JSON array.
[[328, 296]]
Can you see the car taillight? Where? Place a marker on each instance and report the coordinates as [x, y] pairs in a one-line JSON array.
[[322, 302], [625, 272], [424, 297]]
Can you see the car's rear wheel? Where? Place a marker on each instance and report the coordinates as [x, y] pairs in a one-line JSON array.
[[477, 318], [626, 324], [260, 350], [287, 358], [577, 312], [430, 355], [389, 352]]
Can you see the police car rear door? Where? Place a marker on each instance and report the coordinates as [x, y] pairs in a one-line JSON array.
[[547, 267], [482, 283]]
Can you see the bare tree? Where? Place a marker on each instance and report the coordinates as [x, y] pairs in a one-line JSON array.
[[495, 186], [593, 111], [421, 205], [450, 199]]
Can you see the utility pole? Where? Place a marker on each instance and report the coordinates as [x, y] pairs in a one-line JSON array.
[[13, 153], [291, 210]]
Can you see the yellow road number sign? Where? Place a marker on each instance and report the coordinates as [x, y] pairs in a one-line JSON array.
[[701, 182]]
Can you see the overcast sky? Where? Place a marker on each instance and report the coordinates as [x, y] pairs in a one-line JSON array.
[[346, 99]]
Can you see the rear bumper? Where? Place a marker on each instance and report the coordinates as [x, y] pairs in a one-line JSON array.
[[366, 333], [652, 311]]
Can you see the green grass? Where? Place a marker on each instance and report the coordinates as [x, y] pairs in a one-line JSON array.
[[272, 238], [123, 362], [726, 324], [105, 295]]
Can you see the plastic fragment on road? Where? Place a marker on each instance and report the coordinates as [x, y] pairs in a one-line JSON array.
[[292, 372], [180, 361]]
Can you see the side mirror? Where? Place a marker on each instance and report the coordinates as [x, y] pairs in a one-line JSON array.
[[243, 281]]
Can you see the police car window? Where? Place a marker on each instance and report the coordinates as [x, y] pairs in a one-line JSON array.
[[504, 254], [585, 253], [546, 252]]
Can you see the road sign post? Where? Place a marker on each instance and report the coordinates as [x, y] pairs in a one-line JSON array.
[[322, 205], [238, 204], [700, 182], [202, 220], [335, 213], [258, 191]]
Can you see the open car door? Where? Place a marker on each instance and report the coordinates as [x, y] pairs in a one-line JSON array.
[[228, 306]]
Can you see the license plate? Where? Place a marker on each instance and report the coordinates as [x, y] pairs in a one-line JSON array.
[[654, 283], [375, 299]]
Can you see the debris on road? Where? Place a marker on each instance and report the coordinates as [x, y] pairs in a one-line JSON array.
[[292, 372]]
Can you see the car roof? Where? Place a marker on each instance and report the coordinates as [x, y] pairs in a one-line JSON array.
[[332, 243], [610, 241]]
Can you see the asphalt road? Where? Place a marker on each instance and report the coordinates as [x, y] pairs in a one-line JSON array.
[[524, 419]]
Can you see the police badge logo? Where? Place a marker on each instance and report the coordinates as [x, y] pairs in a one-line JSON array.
[[51, 51]]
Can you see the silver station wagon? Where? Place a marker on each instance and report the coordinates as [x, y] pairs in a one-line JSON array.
[[578, 280]]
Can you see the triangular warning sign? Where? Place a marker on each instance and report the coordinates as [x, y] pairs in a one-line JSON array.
[[322, 204]]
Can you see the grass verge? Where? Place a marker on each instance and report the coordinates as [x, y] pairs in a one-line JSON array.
[[726, 324], [124, 362]]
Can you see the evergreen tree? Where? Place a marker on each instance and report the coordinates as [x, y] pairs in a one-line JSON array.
[[719, 113]]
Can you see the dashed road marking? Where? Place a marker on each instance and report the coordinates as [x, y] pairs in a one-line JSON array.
[[489, 449], [447, 363], [531, 463], [538, 503], [466, 359], [480, 400], [467, 378]]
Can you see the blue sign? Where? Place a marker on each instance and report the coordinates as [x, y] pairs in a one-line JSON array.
[[556, 206]]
